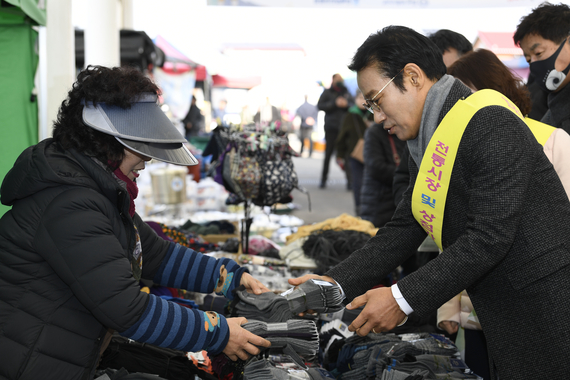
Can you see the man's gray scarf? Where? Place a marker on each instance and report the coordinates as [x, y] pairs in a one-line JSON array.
[[430, 116]]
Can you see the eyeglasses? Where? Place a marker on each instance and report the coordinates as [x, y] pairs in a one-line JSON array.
[[371, 105]]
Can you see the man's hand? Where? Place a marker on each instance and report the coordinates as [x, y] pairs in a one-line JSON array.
[[381, 312], [299, 280], [242, 343], [450, 326], [252, 285], [341, 102], [340, 162]]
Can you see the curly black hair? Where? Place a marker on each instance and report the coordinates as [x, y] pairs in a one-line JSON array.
[[118, 86]]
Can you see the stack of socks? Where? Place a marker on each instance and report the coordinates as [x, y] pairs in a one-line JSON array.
[[265, 370], [316, 295], [300, 335], [398, 375], [434, 344], [390, 356], [266, 307], [319, 296]]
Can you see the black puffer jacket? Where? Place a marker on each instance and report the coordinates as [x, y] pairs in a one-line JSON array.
[[558, 114], [333, 113], [376, 199], [68, 230]]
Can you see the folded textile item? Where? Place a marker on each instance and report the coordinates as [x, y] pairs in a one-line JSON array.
[[429, 343], [398, 375], [266, 370], [341, 222], [300, 335], [319, 296]]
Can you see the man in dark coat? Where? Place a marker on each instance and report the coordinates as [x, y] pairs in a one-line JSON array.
[[335, 101], [502, 239], [543, 37], [193, 121], [381, 157], [308, 113]]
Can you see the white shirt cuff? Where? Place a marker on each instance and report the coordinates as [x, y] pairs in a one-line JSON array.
[[404, 305], [341, 291]]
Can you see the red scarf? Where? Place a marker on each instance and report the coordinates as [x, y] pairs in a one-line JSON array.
[[132, 189]]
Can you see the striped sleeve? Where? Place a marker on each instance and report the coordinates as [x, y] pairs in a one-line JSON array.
[[167, 324], [183, 268]]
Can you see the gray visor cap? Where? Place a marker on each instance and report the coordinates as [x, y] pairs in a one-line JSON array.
[[143, 128]]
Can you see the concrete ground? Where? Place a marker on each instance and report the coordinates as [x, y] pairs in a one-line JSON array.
[[326, 203]]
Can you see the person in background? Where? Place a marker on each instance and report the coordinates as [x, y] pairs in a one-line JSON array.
[[73, 249], [193, 121], [220, 112], [543, 37], [353, 128], [452, 45], [501, 238], [308, 113], [335, 102], [267, 113], [482, 69], [382, 155]]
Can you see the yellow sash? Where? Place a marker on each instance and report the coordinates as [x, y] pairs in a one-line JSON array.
[[432, 183]]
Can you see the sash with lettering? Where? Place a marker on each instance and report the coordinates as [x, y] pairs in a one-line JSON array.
[[432, 183]]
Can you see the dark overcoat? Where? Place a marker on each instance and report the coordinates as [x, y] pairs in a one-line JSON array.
[[506, 239]]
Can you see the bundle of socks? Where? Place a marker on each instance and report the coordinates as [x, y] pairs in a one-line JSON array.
[[315, 295], [296, 336], [266, 370]]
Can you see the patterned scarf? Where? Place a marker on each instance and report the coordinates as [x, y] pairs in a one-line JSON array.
[[132, 189]]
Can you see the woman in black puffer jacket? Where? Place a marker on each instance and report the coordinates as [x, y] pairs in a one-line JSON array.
[[72, 245]]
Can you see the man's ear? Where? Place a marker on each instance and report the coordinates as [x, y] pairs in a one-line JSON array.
[[414, 75]]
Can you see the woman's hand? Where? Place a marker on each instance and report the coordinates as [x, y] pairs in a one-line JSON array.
[[242, 343], [252, 285]]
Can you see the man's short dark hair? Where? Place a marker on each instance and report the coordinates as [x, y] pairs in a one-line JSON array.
[[392, 48], [446, 39], [551, 22]]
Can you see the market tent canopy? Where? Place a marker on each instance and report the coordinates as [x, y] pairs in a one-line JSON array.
[[176, 62], [387, 4], [18, 63], [35, 9], [498, 42], [502, 44], [235, 82]]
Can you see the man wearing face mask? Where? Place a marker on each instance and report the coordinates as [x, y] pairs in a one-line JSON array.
[[335, 101], [543, 37]]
